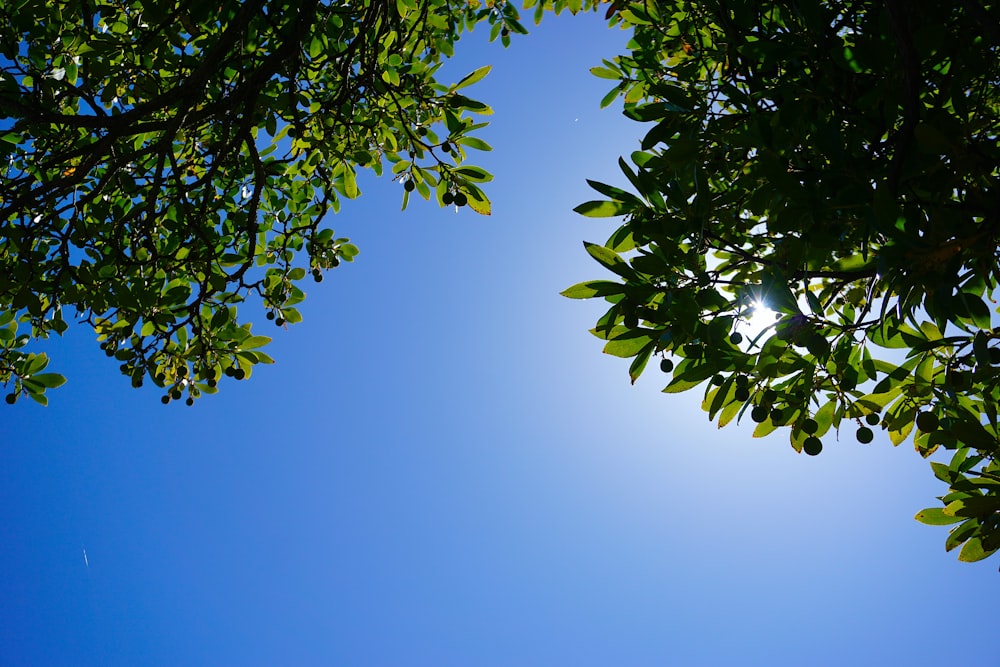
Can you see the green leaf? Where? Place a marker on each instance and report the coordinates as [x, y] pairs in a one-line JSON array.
[[640, 361], [593, 288], [256, 341], [935, 516], [49, 380], [627, 345], [602, 209], [973, 551], [609, 259], [473, 77]]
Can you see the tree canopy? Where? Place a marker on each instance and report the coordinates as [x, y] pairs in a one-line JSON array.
[[837, 163], [166, 161]]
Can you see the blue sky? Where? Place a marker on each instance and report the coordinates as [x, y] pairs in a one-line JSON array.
[[443, 469]]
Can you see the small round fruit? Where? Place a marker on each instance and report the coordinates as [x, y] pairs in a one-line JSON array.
[[736, 338], [742, 380], [422, 131], [335, 262], [872, 419], [446, 147], [461, 199], [318, 276], [409, 186], [777, 416], [279, 321], [741, 394], [810, 426], [447, 198], [239, 374], [164, 399], [718, 380], [666, 365], [189, 402], [270, 315], [759, 414], [176, 394], [927, 422], [812, 446], [11, 399], [770, 396], [864, 435]]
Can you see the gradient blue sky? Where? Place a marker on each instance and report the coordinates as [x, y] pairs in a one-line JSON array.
[[443, 469]]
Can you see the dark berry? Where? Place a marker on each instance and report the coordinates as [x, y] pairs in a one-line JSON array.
[[759, 414], [927, 422], [666, 365], [810, 426], [812, 446], [10, 398], [872, 419], [865, 435], [461, 199]]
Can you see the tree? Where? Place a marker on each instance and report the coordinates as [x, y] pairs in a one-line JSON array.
[[165, 162], [837, 163]]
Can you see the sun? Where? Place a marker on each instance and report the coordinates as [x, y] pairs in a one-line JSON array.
[[758, 318]]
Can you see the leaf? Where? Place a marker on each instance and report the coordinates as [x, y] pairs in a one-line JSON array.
[[474, 174], [254, 342], [935, 516], [473, 77], [49, 380], [602, 209], [973, 551], [640, 361], [609, 259], [961, 533], [616, 194], [604, 73], [627, 345], [593, 288]]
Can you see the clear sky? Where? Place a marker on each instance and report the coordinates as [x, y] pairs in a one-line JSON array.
[[443, 469]]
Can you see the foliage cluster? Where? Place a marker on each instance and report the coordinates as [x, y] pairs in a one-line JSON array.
[[839, 164], [165, 161]]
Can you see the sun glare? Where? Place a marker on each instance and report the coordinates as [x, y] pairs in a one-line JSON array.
[[760, 317]]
